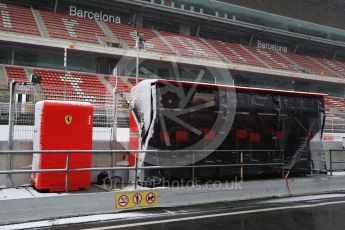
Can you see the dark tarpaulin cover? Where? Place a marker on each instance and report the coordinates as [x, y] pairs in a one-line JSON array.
[[262, 120]]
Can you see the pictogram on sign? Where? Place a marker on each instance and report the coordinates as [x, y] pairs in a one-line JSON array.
[[150, 198], [137, 198], [123, 201]]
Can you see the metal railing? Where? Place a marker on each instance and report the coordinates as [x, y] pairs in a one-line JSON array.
[[68, 170], [331, 161]]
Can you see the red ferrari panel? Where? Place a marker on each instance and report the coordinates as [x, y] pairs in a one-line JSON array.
[[62, 126]]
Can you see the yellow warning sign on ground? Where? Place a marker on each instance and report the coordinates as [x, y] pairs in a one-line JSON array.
[[136, 199]]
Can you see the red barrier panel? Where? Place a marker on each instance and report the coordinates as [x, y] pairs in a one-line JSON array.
[[62, 126]]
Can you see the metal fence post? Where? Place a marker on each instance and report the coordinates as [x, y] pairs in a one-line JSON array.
[[241, 161], [136, 170], [330, 162], [193, 168], [67, 171], [283, 166]]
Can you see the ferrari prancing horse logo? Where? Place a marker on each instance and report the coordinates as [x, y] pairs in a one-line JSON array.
[[68, 119]]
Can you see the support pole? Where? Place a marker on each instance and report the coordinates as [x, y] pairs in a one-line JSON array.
[[56, 5], [65, 67], [67, 172], [137, 60], [241, 160], [330, 162], [11, 126], [11, 114]]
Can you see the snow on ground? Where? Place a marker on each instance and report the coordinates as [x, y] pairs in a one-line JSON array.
[[24, 192], [339, 173], [73, 220], [303, 198]]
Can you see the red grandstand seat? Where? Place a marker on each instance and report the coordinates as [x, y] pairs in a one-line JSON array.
[[190, 46], [309, 64], [17, 19], [120, 82], [128, 34], [235, 53], [273, 59], [72, 28], [79, 86], [132, 80], [16, 73]]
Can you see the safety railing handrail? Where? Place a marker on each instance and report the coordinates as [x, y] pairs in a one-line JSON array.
[[129, 151], [136, 167], [331, 162]]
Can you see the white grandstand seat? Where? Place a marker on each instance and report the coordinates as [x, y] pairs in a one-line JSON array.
[[17, 19], [72, 28], [128, 34], [235, 53], [79, 86], [16, 73], [190, 46]]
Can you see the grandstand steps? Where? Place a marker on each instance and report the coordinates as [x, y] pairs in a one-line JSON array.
[[40, 23], [215, 50], [167, 43], [254, 56], [109, 87], [122, 111], [121, 103], [28, 72], [289, 60], [102, 40], [38, 91], [108, 33]]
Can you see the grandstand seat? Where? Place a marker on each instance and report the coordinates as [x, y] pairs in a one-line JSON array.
[[273, 59], [335, 103], [72, 28], [128, 34], [335, 66], [16, 73], [79, 86], [309, 64], [190, 46], [17, 19], [132, 80], [122, 86], [235, 53]]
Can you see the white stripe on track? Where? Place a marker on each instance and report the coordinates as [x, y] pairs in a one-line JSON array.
[[216, 215]]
